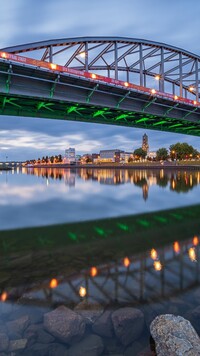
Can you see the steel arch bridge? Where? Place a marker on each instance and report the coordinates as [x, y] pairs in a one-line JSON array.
[[112, 80]]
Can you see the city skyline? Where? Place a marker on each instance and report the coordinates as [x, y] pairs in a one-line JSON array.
[[23, 138]]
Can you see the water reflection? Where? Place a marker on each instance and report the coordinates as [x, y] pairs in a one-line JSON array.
[[113, 266], [179, 181]]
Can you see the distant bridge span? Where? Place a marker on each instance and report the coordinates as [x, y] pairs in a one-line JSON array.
[[112, 80]]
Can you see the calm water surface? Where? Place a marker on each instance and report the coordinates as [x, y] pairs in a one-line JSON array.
[[36, 197], [144, 257]]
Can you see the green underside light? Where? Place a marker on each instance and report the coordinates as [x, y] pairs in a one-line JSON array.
[[120, 117], [123, 227], [98, 113], [100, 231], [161, 219], [175, 125], [144, 223], [160, 123], [143, 119], [72, 236]]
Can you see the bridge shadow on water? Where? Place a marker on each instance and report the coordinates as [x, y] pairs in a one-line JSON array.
[[148, 261]]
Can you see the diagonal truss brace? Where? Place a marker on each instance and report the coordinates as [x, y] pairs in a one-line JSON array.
[[189, 113], [54, 86], [122, 99], [91, 93], [148, 104], [8, 81], [170, 109]]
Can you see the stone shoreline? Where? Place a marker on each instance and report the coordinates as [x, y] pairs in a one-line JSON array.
[[89, 329]]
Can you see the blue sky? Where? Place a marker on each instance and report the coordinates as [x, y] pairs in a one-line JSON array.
[[23, 21]]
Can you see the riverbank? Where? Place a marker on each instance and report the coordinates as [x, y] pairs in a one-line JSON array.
[[135, 165]]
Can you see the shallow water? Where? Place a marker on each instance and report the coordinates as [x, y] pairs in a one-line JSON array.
[[145, 257]]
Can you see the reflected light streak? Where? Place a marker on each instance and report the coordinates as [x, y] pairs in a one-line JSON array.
[[153, 254], [192, 254], [126, 262], [4, 296], [195, 241], [93, 271], [53, 283], [82, 291], [176, 247], [157, 265]]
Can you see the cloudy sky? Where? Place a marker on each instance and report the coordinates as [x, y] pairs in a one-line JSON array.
[[24, 21]]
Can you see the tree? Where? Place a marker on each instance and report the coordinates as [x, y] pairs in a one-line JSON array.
[[182, 151], [139, 152], [162, 153]]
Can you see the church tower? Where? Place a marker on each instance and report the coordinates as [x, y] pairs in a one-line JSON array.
[[145, 145]]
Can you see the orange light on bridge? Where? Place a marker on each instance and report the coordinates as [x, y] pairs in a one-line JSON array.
[[82, 54], [195, 102], [4, 296], [175, 97], [195, 241], [157, 77], [93, 76], [93, 271], [157, 265], [126, 84], [153, 254], [191, 88], [176, 247], [153, 91], [53, 66], [82, 291], [126, 262], [3, 55], [53, 283]]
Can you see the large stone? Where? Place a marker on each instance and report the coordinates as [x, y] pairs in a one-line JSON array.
[[38, 349], [174, 335], [44, 337], [58, 350], [19, 325], [89, 311], [128, 324], [4, 342], [92, 345], [103, 325], [19, 344], [64, 324]]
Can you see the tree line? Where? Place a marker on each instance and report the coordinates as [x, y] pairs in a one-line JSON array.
[[177, 151]]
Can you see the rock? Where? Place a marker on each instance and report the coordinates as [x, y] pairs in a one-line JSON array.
[[128, 324], [44, 337], [4, 342], [31, 333], [174, 335], [103, 325], [19, 344], [89, 311], [92, 345], [64, 324], [133, 349], [38, 350], [19, 325], [58, 350]]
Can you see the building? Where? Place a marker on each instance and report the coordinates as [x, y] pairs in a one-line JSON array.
[[145, 145], [70, 155], [109, 156]]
